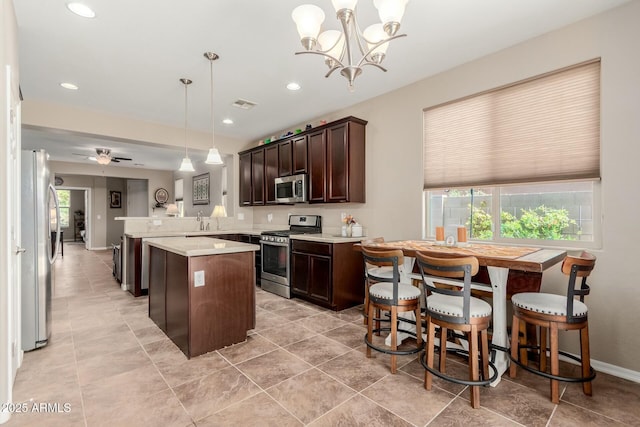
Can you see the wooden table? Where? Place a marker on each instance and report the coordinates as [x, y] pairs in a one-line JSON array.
[[498, 260]]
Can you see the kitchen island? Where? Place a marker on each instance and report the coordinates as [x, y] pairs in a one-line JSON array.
[[202, 291]]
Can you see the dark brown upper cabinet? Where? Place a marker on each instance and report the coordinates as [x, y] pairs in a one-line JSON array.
[[333, 156]]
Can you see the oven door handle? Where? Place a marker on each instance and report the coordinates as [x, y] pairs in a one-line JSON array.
[[285, 245]]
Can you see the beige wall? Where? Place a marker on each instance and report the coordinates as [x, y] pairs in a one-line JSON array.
[[103, 229], [394, 158], [394, 161]]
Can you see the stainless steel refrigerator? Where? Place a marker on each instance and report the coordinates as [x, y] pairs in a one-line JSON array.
[[40, 228]]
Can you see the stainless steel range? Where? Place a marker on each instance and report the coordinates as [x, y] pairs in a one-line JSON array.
[[276, 250]]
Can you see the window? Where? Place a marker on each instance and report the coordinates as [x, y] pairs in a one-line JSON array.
[[559, 214], [519, 163], [64, 200]]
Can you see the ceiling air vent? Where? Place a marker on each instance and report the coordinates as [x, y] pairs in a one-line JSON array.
[[244, 104]]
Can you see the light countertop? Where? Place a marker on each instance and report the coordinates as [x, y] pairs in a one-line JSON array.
[[200, 246], [327, 238], [160, 233]]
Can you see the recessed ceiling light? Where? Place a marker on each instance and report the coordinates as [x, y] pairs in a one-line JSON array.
[[227, 121], [81, 9], [293, 86], [69, 86]]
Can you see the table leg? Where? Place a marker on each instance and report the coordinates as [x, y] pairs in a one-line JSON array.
[[498, 276]]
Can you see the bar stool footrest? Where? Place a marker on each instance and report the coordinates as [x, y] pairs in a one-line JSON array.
[[386, 349], [592, 372], [484, 382]]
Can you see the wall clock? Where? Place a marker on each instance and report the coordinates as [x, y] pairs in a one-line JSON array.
[[161, 195]]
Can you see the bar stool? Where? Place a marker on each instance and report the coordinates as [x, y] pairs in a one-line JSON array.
[[386, 270], [450, 306], [387, 293], [552, 313]]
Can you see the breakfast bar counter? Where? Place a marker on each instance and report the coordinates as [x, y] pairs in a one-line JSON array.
[[202, 291]]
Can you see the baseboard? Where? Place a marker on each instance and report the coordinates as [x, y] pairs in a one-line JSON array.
[[99, 249], [608, 368]]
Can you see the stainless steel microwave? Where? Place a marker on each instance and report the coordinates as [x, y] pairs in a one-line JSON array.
[[291, 189]]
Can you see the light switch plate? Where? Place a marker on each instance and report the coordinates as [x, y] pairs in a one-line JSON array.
[[240, 216], [157, 222], [198, 278]]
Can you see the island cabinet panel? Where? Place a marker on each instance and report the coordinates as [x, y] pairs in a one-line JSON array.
[[327, 274], [201, 319], [158, 292], [134, 266], [271, 172], [223, 310], [177, 300]]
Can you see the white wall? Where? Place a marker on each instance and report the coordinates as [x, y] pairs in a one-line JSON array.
[[9, 187]]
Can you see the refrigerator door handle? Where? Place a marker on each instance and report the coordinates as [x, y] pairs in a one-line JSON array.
[[54, 255]]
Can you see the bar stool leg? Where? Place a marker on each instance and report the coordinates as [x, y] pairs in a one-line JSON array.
[[370, 311], [543, 348], [443, 349], [586, 359], [484, 342], [394, 338], [474, 373], [515, 331], [555, 363], [430, 344]]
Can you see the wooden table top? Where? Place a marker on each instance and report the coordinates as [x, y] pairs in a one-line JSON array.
[[513, 257]]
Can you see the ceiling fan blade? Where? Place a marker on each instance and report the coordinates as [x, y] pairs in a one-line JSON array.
[[120, 158], [115, 160], [78, 154]]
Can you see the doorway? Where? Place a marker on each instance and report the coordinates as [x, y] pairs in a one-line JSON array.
[[77, 216]]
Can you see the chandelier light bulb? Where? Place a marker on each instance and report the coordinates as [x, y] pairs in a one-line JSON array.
[[308, 19], [390, 13]]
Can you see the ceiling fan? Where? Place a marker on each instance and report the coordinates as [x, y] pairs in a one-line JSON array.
[[103, 156]]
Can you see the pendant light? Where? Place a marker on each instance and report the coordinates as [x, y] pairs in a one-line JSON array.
[[213, 158], [186, 165]]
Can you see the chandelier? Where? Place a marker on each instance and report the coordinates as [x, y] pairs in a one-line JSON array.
[[339, 47]]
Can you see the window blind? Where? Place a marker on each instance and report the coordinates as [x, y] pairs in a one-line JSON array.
[[546, 128]]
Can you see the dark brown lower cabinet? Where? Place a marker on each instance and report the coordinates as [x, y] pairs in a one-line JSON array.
[[327, 274], [204, 318], [134, 266]]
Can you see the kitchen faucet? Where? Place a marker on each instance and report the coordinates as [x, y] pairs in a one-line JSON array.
[[200, 220]]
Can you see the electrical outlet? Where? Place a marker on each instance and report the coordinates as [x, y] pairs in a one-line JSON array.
[[240, 216], [198, 278], [343, 215], [269, 217]]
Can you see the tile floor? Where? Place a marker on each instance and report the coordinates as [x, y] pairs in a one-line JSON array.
[[302, 365]]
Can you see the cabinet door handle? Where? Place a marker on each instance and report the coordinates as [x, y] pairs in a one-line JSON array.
[[20, 250]]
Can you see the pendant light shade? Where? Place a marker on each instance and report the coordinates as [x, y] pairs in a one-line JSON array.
[[186, 165], [213, 158]]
